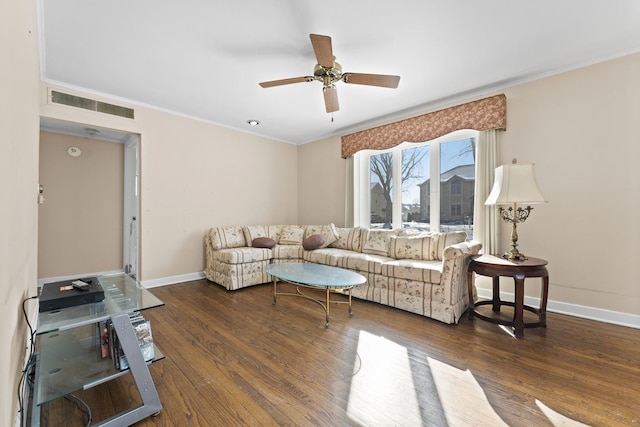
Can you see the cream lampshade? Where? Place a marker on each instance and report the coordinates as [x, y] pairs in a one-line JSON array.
[[515, 185]]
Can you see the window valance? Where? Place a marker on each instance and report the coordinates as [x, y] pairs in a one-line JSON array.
[[484, 114]]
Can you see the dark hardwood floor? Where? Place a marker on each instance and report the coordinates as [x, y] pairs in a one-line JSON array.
[[234, 359]]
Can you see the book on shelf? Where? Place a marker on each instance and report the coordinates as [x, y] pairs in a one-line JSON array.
[[110, 346], [105, 346], [142, 329]]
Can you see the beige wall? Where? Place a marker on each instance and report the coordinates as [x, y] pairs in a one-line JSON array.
[[580, 129], [18, 191], [80, 224], [321, 182], [195, 175]]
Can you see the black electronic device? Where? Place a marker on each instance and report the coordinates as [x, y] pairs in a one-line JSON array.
[[69, 293]]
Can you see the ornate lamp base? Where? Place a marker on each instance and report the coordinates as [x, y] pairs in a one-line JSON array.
[[514, 215], [514, 255]]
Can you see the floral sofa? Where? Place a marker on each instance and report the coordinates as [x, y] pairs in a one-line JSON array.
[[422, 273]]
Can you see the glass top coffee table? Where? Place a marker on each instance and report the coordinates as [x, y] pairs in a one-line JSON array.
[[331, 279]]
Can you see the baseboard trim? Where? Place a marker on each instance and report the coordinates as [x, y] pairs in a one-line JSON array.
[[163, 281], [591, 313]]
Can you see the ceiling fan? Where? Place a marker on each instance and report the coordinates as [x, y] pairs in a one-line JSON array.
[[328, 71]]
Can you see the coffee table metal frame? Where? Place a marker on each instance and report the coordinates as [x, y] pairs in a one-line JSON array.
[[315, 276]]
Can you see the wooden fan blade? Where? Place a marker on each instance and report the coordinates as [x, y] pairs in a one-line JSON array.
[[381, 80], [331, 98], [286, 81], [322, 49]]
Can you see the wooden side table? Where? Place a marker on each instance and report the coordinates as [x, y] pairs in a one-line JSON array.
[[495, 266]]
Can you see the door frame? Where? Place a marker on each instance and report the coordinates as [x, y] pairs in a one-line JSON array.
[[131, 193], [130, 237]]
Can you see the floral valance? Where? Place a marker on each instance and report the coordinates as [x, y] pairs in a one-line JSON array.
[[484, 114]]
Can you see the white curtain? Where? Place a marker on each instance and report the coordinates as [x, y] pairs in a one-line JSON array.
[[349, 194], [485, 219]]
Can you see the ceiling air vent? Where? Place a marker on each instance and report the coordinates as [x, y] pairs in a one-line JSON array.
[[91, 104]]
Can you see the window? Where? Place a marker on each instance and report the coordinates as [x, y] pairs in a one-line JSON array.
[[436, 185], [456, 186]]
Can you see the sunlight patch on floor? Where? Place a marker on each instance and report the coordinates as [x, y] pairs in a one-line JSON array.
[[382, 390], [462, 398], [558, 420]]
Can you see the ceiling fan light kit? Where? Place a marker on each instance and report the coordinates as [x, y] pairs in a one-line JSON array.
[[328, 71]]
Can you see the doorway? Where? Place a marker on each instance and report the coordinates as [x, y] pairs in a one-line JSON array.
[[88, 223]]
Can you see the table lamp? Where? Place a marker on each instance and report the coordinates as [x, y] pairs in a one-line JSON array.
[[515, 185]]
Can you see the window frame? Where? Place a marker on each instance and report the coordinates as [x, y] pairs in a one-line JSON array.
[[362, 179]]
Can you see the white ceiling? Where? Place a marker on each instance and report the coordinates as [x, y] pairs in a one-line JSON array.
[[204, 59]]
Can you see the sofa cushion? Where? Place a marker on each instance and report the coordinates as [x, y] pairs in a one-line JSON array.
[[287, 252], [291, 235], [326, 256], [363, 263], [377, 242], [263, 242], [315, 241], [413, 247], [348, 238], [413, 232], [252, 232], [226, 237], [329, 232], [241, 255], [428, 248], [274, 231], [413, 269], [442, 240]]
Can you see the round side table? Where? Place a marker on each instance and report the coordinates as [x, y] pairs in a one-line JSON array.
[[495, 266]]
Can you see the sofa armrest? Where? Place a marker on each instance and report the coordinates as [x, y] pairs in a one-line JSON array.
[[209, 261], [455, 261]]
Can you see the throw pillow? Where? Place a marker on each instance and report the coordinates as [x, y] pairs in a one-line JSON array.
[[442, 240], [377, 242], [315, 241], [263, 242], [329, 232], [226, 237], [291, 235], [411, 248], [253, 231], [274, 231], [349, 238]]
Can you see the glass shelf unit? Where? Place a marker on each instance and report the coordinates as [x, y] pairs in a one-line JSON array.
[[122, 294], [72, 362], [70, 359]]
